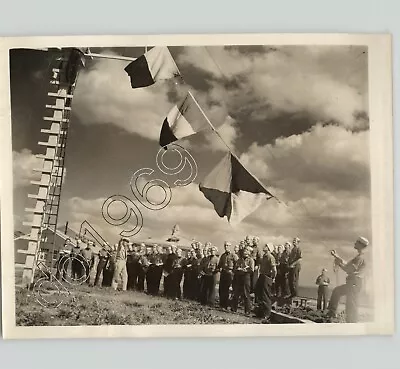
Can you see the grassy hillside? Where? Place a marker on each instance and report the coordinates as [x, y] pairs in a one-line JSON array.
[[95, 306]]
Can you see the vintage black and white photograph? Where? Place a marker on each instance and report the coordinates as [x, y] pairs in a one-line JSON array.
[[213, 184]]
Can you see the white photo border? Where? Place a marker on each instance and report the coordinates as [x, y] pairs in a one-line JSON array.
[[381, 159]]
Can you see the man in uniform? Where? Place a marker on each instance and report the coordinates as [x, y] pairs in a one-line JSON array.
[[157, 269], [190, 276], [101, 266], [276, 287], [283, 278], [198, 289], [225, 266], [243, 270], [143, 265], [77, 261], [209, 271], [256, 255], [120, 265], [322, 282], [264, 284], [93, 265], [150, 269], [354, 269], [87, 254], [168, 268], [294, 267], [63, 261], [177, 274]]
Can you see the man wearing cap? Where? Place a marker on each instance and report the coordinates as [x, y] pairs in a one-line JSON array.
[[322, 282], [87, 254], [354, 269], [63, 261], [276, 287], [76, 261], [120, 264], [264, 283], [209, 276], [93, 264], [294, 267], [243, 269], [109, 269], [135, 268], [190, 290], [167, 272], [151, 252], [177, 274], [256, 255], [101, 266], [158, 262], [283, 278], [225, 266]]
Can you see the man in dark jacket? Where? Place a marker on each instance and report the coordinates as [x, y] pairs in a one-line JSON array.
[[225, 266], [264, 284]]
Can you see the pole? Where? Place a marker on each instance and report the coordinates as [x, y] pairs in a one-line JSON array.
[[213, 128], [115, 57]]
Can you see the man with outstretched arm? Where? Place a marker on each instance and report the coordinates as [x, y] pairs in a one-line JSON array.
[[351, 289]]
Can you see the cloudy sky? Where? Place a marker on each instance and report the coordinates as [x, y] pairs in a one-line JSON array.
[[298, 121]]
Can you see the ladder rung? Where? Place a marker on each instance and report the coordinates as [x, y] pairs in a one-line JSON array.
[[26, 252], [37, 197], [56, 70], [30, 224], [28, 238], [52, 158], [53, 119], [55, 94], [47, 171], [34, 210], [48, 144], [40, 183], [55, 133], [58, 107]]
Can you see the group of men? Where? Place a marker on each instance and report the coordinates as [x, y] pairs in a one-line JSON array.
[[244, 271]]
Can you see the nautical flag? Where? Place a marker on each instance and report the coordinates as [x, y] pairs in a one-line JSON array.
[[155, 65], [233, 191], [183, 120]]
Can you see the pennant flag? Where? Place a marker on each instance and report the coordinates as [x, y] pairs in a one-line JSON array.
[[233, 191], [155, 65], [183, 120]]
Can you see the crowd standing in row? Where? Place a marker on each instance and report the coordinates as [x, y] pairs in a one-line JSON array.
[[243, 272]]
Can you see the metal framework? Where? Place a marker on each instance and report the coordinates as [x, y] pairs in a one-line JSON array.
[[45, 212], [46, 209]]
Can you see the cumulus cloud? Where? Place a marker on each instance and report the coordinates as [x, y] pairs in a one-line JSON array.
[[328, 83], [322, 177], [104, 96], [23, 164], [325, 157]]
